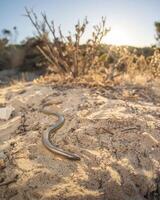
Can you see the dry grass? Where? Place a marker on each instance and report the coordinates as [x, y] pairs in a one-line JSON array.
[[129, 67], [67, 60]]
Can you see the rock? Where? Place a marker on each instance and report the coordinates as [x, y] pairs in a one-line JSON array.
[[2, 155], [6, 112], [25, 164], [2, 164], [7, 129], [2, 160]]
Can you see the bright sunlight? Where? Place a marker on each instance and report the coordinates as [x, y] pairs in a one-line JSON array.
[[119, 36]]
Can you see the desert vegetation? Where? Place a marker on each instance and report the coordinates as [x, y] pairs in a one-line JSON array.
[[110, 98], [67, 56]]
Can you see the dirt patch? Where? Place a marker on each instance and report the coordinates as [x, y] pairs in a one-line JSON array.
[[115, 132]]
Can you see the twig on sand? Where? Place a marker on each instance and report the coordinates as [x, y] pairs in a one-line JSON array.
[[129, 129]]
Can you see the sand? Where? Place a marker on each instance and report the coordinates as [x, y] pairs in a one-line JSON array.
[[116, 132]]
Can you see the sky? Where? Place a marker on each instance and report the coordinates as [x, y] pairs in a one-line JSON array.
[[131, 21]]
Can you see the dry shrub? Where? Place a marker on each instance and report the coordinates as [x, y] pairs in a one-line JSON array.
[[126, 65], [155, 63], [93, 61], [132, 61], [66, 54]]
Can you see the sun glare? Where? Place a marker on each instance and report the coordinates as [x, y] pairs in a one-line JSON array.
[[118, 36]]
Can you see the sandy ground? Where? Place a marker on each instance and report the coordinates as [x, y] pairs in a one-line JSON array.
[[116, 131]]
